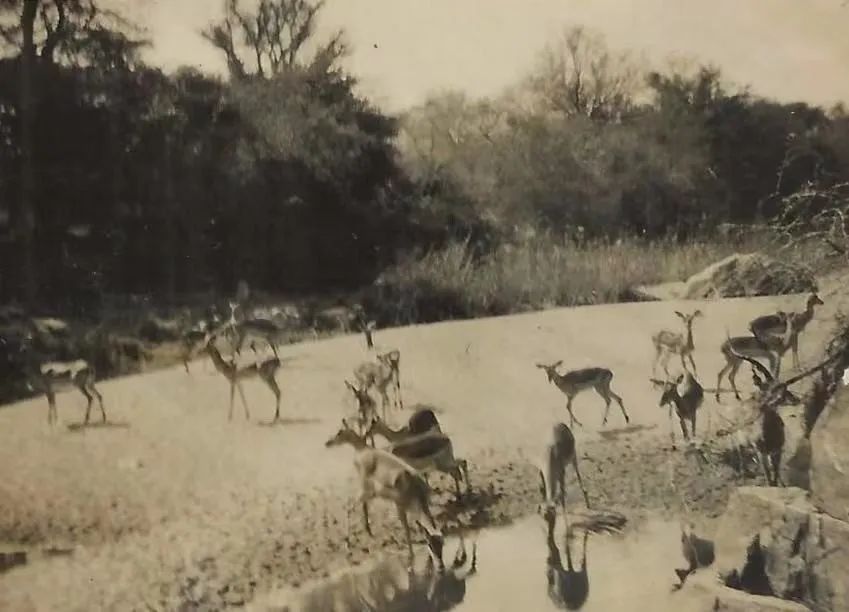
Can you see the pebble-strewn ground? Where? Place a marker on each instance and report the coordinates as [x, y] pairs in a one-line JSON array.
[[171, 507]]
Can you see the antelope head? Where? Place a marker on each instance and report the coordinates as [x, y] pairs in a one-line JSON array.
[[550, 370]]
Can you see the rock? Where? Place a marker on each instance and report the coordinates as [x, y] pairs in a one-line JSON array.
[[798, 466], [707, 589], [773, 541], [830, 457], [748, 274]]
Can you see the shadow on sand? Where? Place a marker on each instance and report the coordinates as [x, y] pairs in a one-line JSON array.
[[288, 421], [608, 434], [82, 426]]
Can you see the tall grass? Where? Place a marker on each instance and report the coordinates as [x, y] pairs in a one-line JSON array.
[[542, 272]]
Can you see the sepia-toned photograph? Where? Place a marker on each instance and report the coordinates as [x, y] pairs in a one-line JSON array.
[[424, 305]]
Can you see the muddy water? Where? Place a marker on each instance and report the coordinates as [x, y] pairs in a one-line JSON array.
[[521, 567]]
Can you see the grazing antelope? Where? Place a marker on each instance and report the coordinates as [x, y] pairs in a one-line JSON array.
[[430, 451], [50, 376], [265, 370], [770, 348], [379, 374], [567, 587], [775, 324], [559, 451], [573, 382], [669, 342], [385, 475], [422, 421], [686, 395]]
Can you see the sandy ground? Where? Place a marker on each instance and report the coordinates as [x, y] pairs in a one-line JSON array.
[[172, 507]]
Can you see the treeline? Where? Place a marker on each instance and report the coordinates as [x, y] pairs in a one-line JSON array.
[[118, 178]]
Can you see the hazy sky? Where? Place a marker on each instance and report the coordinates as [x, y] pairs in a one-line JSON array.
[[787, 49]]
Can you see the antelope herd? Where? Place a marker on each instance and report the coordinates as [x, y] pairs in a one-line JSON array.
[[397, 472]]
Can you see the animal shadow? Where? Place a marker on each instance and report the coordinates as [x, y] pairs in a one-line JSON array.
[[12, 560], [82, 426], [288, 421], [472, 509], [611, 434]]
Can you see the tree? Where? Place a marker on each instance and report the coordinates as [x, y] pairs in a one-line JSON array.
[[37, 32], [578, 75], [275, 36]]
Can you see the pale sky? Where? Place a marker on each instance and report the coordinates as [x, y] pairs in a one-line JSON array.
[[785, 49]]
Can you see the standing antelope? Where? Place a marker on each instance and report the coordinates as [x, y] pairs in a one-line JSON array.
[[265, 370], [559, 451], [770, 348], [387, 476], [51, 376], [770, 441], [432, 450], [686, 395], [379, 374], [765, 326], [670, 342], [573, 382], [366, 409]]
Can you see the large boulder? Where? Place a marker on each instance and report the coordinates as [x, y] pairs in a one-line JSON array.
[[748, 274], [774, 542], [713, 596], [830, 457]]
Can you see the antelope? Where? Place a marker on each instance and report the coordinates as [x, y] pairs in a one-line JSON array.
[[366, 409], [194, 338], [55, 374], [265, 370], [387, 476], [430, 451], [770, 348], [770, 442], [669, 342], [573, 382], [422, 421], [686, 395], [774, 325], [379, 374], [559, 452], [567, 588]]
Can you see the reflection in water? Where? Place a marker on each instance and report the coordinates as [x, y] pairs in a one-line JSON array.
[[567, 588], [387, 586]]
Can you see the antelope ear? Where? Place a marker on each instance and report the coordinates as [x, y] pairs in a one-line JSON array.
[[680, 379], [679, 314], [558, 364], [698, 313], [345, 424], [350, 386]]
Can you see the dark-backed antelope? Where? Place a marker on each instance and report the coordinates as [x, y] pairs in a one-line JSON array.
[[51, 376], [669, 343], [559, 452], [431, 451], [770, 348], [767, 326], [265, 370], [573, 382], [422, 421], [686, 395], [382, 474]]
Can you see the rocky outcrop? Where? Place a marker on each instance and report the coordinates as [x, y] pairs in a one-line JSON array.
[[829, 474], [775, 542], [748, 274]]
